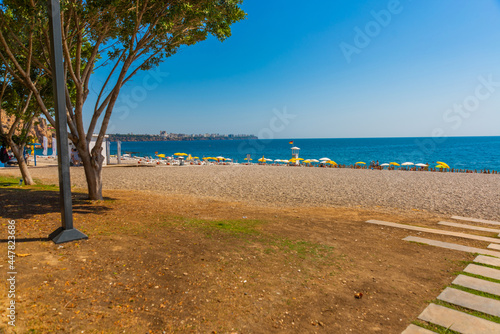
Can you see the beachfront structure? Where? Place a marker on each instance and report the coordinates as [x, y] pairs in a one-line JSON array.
[[295, 154]]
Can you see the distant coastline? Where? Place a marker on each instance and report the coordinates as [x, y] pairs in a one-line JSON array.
[[175, 137]]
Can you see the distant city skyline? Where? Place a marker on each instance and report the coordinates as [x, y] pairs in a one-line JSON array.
[[328, 69]]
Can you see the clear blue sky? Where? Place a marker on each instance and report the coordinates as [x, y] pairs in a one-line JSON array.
[[289, 55]]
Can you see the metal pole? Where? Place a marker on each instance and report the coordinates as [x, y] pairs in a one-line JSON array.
[[118, 152], [108, 146], [66, 232]]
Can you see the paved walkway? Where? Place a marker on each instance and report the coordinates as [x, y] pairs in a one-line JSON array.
[[473, 291]]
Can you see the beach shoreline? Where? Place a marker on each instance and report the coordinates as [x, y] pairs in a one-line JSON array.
[[472, 195]]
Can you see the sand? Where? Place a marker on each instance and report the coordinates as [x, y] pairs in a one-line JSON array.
[[471, 195]]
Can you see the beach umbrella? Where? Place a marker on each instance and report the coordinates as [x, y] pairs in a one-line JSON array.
[[262, 159], [440, 166], [180, 154], [384, 165], [440, 163], [229, 159], [277, 160], [161, 155], [421, 165], [360, 163], [331, 162], [220, 158], [394, 164], [196, 158], [325, 159], [299, 159], [313, 160], [306, 161], [407, 164], [248, 159]]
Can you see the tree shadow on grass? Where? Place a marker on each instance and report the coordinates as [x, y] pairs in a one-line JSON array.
[[19, 203]]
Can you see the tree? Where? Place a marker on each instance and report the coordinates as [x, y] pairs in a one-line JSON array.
[[121, 37], [17, 104]]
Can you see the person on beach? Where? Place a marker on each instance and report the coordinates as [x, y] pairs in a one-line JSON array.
[[75, 158]]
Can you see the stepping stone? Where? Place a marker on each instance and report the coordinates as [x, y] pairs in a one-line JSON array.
[[470, 227], [494, 246], [458, 321], [477, 284], [483, 271], [487, 260], [435, 231], [471, 301], [412, 329], [475, 220], [450, 245]]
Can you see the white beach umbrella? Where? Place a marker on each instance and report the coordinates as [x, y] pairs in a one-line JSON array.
[[277, 160], [220, 158], [421, 165], [325, 159], [386, 164], [269, 159], [313, 160], [407, 164]]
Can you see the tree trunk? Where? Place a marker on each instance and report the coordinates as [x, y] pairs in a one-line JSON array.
[[23, 167], [92, 164]]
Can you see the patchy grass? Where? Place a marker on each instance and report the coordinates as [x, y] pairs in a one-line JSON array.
[[468, 311], [475, 292], [435, 328], [13, 183]]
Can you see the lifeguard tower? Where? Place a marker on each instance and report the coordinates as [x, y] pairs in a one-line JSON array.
[[295, 154]]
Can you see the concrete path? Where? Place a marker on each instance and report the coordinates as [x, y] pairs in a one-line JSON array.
[[477, 284], [458, 321], [487, 260], [412, 329], [450, 245], [471, 301], [435, 231], [470, 227], [494, 246], [484, 221], [483, 271]]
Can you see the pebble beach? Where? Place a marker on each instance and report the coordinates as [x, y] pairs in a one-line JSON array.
[[472, 195]]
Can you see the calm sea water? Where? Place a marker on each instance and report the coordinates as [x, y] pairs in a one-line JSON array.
[[458, 152]]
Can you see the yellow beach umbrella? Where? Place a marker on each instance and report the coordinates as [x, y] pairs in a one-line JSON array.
[[161, 155], [262, 159], [440, 163], [196, 158], [180, 154], [394, 164], [331, 162], [292, 160], [299, 159], [440, 166], [248, 159], [306, 161], [361, 163]]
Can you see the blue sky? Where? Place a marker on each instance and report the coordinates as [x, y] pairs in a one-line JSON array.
[[410, 74]]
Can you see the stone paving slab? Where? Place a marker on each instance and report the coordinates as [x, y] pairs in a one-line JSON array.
[[483, 271], [477, 284], [413, 329], [450, 245], [475, 220], [470, 227], [458, 321], [435, 231], [471, 301], [492, 261], [494, 246]]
